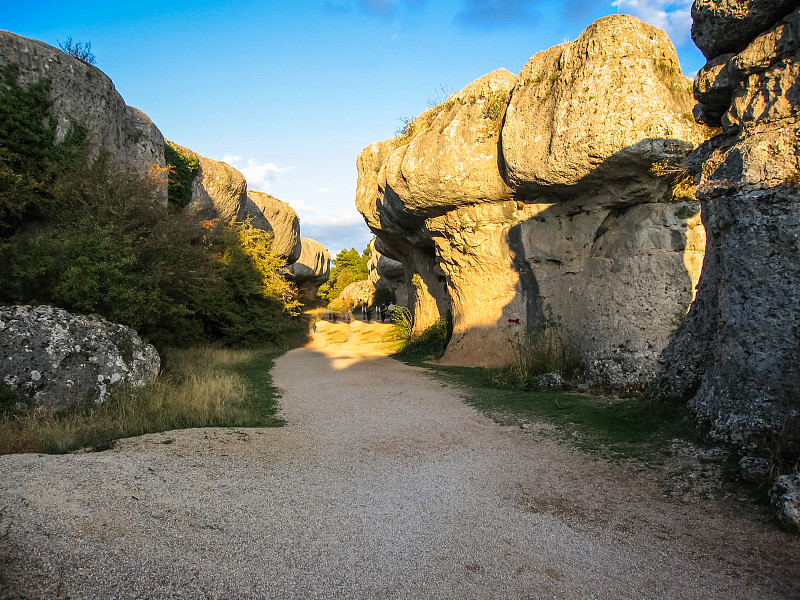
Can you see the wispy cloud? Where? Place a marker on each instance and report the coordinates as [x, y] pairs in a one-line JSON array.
[[673, 16], [259, 175]]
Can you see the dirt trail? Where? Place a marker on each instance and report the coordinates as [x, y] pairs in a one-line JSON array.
[[383, 484]]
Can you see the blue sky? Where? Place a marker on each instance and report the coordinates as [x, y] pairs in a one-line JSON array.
[[289, 92]]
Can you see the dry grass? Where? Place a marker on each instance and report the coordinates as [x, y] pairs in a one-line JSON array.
[[203, 387]]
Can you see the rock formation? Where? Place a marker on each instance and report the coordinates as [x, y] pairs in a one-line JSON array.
[[53, 357], [357, 293], [386, 272], [554, 190], [312, 269], [220, 192], [83, 94], [736, 357], [279, 218]]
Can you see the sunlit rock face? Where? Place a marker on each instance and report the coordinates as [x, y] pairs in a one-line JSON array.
[[534, 194], [736, 358], [312, 269], [270, 214], [83, 94]]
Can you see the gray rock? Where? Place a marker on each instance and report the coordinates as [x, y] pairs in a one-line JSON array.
[[271, 214], [754, 469], [55, 358], [735, 356], [785, 497], [722, 26], [550, 381]]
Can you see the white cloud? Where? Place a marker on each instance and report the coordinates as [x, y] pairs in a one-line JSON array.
[[330, 220], [259, 175], [673, 16], [324, 190]]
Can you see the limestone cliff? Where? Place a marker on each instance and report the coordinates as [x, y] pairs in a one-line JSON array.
[[736, 357], [83, 94], [521, 193]]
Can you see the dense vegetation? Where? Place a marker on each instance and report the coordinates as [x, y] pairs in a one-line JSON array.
[[348, 266], [80, 231]]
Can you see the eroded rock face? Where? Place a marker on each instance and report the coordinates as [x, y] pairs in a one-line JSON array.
[[271, 214], [735, 358], [56, 358], [83, 94], [312, 269], [387, 272], [560, 210]]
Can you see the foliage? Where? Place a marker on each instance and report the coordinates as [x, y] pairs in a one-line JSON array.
[[402, 322], [78, 50], [348, 266], [416, 281], [383, 295], [539, 349], [619, 430], [182, 171], [97, 238], [431, 343], [28, 149], [201, 387]]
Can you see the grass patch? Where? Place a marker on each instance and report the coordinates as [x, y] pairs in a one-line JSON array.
[[201, 387], [430, 344], [619, 430]]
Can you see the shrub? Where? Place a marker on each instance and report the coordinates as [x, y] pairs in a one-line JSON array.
[[402, 321], [383, 295], [182, 171], [78, 50], [539, 349], [431, 343]]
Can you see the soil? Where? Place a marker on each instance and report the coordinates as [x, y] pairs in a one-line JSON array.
[[383, 484]]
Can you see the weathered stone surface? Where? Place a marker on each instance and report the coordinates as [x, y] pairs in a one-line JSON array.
[[56, 358], [735, 358], [387, 272], [587, 114], [583, 228], [312, 269], [83, 94], [357, 293], [785, 497], [754, 469], [722, 26], [271, 214]]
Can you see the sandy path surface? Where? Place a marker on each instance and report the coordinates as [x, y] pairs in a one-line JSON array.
[[383, 484]]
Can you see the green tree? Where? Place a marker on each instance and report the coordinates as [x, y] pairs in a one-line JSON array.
[[348, 266]]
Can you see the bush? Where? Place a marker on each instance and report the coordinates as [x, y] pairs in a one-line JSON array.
[[402, 321], [539, 349], [78, 50], [383, 295], [431, 344], [182, 171]]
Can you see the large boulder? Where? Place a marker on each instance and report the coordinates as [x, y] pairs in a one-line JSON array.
[[272, 215], [312, 269], [735, 358], [562, 191], [83, 94], [387, 272], [55, 358]]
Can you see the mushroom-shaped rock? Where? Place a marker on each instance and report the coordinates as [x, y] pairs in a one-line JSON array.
[[597, 111], [312, 269], [270, 214]]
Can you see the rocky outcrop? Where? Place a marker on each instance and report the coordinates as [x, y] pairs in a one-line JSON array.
[[554, 190], [357, 293], [312, 269], [735, 358], [271, 214], [387, 272], [785, 497], [53, 357], [83, 94]]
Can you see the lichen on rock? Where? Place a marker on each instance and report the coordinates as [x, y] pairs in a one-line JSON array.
[[52, 357]]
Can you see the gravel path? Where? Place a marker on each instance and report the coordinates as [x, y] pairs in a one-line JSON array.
[[382, 485]]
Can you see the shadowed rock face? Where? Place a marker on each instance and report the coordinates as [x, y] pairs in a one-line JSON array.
[[83, 94], [531, 193], [736, 356], [312, 269], [271, 214]]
